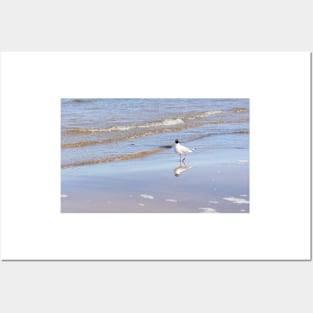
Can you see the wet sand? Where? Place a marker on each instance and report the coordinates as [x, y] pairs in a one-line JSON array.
[[216, 182]]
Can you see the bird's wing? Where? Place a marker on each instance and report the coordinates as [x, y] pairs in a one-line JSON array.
[[185, 149]]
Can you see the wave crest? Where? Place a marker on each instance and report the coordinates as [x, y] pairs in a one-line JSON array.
[[165, 122]]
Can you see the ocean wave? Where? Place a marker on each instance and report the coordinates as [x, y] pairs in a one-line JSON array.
[[136, 135], [166, 122], [128, 136], [240, 110], [153, 124], [137, 155], [99, 130], [121, 128], [202, 115]]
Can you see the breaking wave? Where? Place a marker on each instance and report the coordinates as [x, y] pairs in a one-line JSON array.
[[137, 155], [166, 122], [121, 128], [128, 136]]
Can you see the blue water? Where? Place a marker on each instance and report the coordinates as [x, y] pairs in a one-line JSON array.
[[107, 130]]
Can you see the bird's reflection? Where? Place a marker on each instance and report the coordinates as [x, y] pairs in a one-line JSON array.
[[181, 168]]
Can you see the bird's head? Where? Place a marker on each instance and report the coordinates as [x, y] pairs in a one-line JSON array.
[[176, 141]]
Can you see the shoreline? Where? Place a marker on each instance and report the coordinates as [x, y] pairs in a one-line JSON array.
[[209, 183]]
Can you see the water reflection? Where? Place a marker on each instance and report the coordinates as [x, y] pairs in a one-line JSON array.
[[181, 168]]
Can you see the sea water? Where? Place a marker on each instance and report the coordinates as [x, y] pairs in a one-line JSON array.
[[97, 131]]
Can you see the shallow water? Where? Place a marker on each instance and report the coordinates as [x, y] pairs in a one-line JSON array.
[[206, 184], [106, 130]]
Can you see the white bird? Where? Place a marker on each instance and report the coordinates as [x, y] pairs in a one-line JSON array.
[[181, 150]]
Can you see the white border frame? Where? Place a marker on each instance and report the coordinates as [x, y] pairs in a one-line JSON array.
[[278, 85]]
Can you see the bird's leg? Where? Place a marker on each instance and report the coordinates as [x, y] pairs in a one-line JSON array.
[[184, 160]]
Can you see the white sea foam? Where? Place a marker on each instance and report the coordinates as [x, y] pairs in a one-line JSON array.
[[243, 195], [203, 115], [141, 204], [213, 202], [64, 196], [212, 113], [122, 128], [236, 200], [110, 129], [242, 161], [170, 200], [145, 196], [170, 122], [166, 122], [211, 210]]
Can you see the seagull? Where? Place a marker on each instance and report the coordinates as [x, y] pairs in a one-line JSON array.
[[181, 150]]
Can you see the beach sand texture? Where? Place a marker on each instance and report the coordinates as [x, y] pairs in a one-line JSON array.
[[118, 156]]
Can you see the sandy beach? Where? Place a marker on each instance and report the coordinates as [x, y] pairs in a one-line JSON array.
[[207, 183]]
